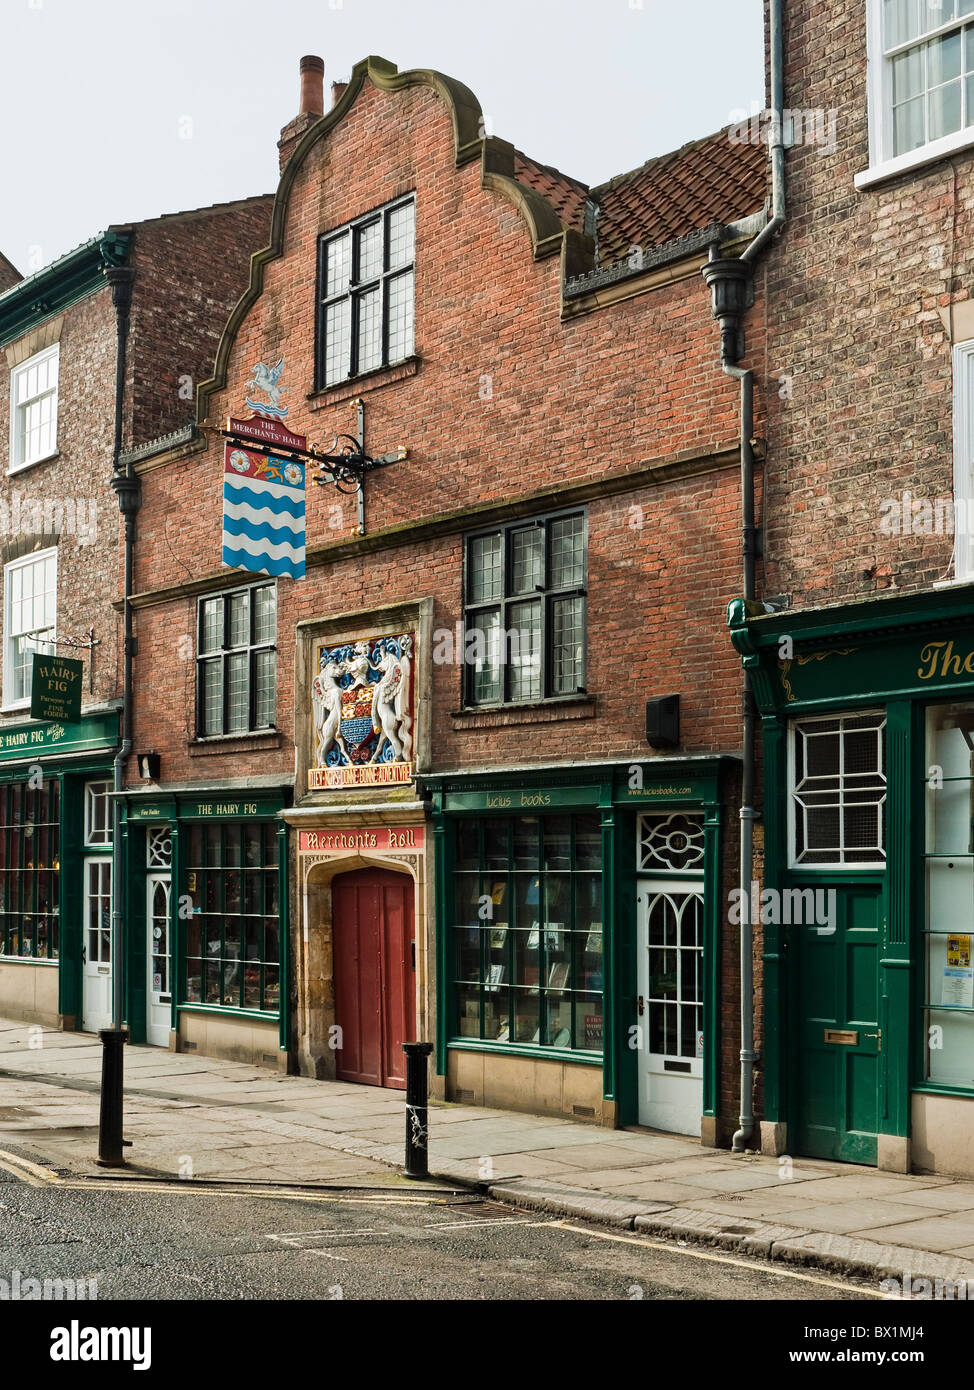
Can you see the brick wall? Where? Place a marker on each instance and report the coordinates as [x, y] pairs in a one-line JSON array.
[[66, 501], [855, 290], [191, 269]]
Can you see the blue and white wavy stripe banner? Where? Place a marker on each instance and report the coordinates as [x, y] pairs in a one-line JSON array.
[[263, 513]]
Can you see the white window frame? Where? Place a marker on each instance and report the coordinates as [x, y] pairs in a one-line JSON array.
[[883, 164], [10, 701], [97, 862], [963, 365], [18, 458], [93, 789], [835, 865]]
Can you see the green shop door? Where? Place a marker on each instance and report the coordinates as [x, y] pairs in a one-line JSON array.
[[836, 1110]]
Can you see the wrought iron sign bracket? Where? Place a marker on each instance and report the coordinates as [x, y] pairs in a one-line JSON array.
[[87, 644], [347, 463]]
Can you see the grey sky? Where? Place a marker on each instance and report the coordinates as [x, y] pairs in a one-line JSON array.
[[130, 108]]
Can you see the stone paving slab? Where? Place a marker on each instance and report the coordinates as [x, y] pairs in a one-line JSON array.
[[937, 1233], [957, 1197], [841, 1188], [854, 1218], [568, 1201], [740, 1179]]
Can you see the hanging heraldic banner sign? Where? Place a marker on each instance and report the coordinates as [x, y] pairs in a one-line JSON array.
[[55, 691], [263, 512]]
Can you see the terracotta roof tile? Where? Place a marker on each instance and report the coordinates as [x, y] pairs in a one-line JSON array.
[[566, 195], [708, 180]]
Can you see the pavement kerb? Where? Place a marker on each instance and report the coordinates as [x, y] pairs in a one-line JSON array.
[[848, 1255]]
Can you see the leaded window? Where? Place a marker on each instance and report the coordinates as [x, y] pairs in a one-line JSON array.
[[236, 689], [525, 611], [838, 791], [527, 932], [158, 847], [366, 284], [232, 944], [29, 869], [672, 841]]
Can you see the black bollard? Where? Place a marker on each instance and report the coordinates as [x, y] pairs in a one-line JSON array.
[[110, 1116], [417, 1132]]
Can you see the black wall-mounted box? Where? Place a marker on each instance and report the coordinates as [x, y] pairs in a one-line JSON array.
[[663, 721]]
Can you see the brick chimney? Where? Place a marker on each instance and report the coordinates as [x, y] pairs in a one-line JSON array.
[[311, 106], [336, 92]]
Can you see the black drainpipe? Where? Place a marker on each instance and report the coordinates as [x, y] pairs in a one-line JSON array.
[[126, 488], [732, 289]]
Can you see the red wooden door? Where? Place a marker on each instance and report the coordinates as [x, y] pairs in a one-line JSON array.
[[372, 925]]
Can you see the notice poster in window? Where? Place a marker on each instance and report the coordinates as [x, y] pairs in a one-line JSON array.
[[958, 986]]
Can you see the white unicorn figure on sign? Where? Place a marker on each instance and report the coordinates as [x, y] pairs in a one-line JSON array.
[[390, 702], [326, 698]]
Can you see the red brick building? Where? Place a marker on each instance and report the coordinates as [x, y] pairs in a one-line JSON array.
[[173, 280], [410, 793]]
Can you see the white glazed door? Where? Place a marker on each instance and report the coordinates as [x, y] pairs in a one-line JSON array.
[[96, 951], [158, 986], [670, 984]]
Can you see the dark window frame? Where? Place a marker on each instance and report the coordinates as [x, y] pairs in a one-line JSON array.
[[564, 942], [221, 654], [216, 862], [356, 289], [30, 896], [543, 592]]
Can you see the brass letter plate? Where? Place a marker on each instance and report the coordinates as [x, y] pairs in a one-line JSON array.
[[841, 1035]]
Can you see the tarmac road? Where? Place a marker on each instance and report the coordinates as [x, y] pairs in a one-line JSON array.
[[395, 1241]]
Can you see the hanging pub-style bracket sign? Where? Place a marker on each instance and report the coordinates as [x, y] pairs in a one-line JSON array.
[[87, 644], [345, 463]]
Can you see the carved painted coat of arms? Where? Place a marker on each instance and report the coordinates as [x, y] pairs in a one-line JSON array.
[[362, 703]]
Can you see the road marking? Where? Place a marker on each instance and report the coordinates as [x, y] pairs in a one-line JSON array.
[[188, 1188], [35, 1175], [295, 1237], [717, 1259], [494, 1221], [31, 1173]]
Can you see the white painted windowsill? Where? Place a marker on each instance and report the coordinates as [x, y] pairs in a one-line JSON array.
[[916, 159], [33, 463]]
